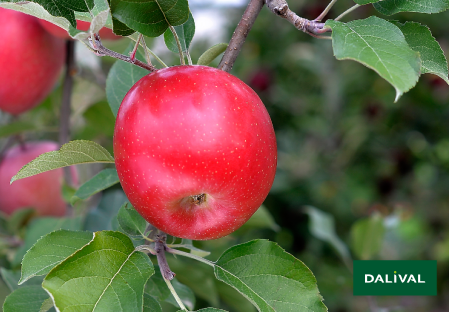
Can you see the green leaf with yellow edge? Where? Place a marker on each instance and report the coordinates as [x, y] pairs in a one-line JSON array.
[[105, 275], [72, 153]]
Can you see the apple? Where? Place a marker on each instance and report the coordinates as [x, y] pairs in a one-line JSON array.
[[41, 192], [30, 61], [195, 151], [55, 30]]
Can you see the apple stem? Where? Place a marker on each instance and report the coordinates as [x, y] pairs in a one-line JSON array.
[[189, 255], [64, 118], [100, 50], [240, 34], [160, 248], [147, 54], [178, 43]]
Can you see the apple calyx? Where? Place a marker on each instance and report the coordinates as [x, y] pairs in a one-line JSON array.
[[194, 201]]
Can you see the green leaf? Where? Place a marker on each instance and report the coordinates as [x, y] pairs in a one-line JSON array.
[[105, 274], [233, 298], [42, 226], [322, 226], [150, 304], [63, 9], [16, 127], [72, 153], [150, 17], [131, 221], [390, 7], [185, 34], [206, 310], [101, 181], [262, 219], [188, 244], [269, 277], [25, 299], [121, 78], [19, 219], [10, 278], [51, 250], [420, 39], [157, 287], [379, 45], [367, 236], [212, 53]]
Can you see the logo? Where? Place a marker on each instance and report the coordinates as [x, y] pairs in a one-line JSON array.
[[395, 278]]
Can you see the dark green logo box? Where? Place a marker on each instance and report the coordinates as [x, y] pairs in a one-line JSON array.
[[395, 278]]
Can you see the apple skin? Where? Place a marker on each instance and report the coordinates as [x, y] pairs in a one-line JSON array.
[[195, 151], [41, 192], [30, 61], [55, 30]]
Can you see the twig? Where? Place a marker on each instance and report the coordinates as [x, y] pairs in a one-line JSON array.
[[160, 248], [339, 17], [326, 10], [101, 50], [64, 118], [240, 34], [313, 28]]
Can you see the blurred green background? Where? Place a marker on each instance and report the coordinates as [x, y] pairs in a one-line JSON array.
[[359, 176]]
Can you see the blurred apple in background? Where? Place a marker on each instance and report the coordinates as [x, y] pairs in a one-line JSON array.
[[105, 33], [30, 61], [41, 192]]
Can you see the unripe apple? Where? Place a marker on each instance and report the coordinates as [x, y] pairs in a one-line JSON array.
[[55, 30], [42, 191], [30, 61], [195, 151]]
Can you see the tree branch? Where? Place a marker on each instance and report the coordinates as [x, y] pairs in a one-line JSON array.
[[101, 50], [64, 117], [160, 248], [240, 34], [280, 8]]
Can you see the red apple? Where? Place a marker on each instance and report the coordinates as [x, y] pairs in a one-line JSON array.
[[195, 151], [30, 61], [105, 33], [42, 191]]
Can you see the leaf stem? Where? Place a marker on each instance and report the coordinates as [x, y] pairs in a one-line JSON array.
[[145, 49], [326, 10], [347, 11], [189, 255], [173, 291], [132, 55], [189, 59], [181, 55], [241, 32]]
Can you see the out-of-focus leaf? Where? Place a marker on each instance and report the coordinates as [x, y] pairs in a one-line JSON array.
[[367, 236], [185, 34], [322, 226], [16, 128], [420, 39], [18, 219], [51, 250], [25, 299], [150, 17], [379, 45], [114, 272], [262, 219], [390, 7], [46, 305], [103, 180], [72, 153], [362, 2], [272, 279], [212, 53], [101, 217], [150, 304]]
